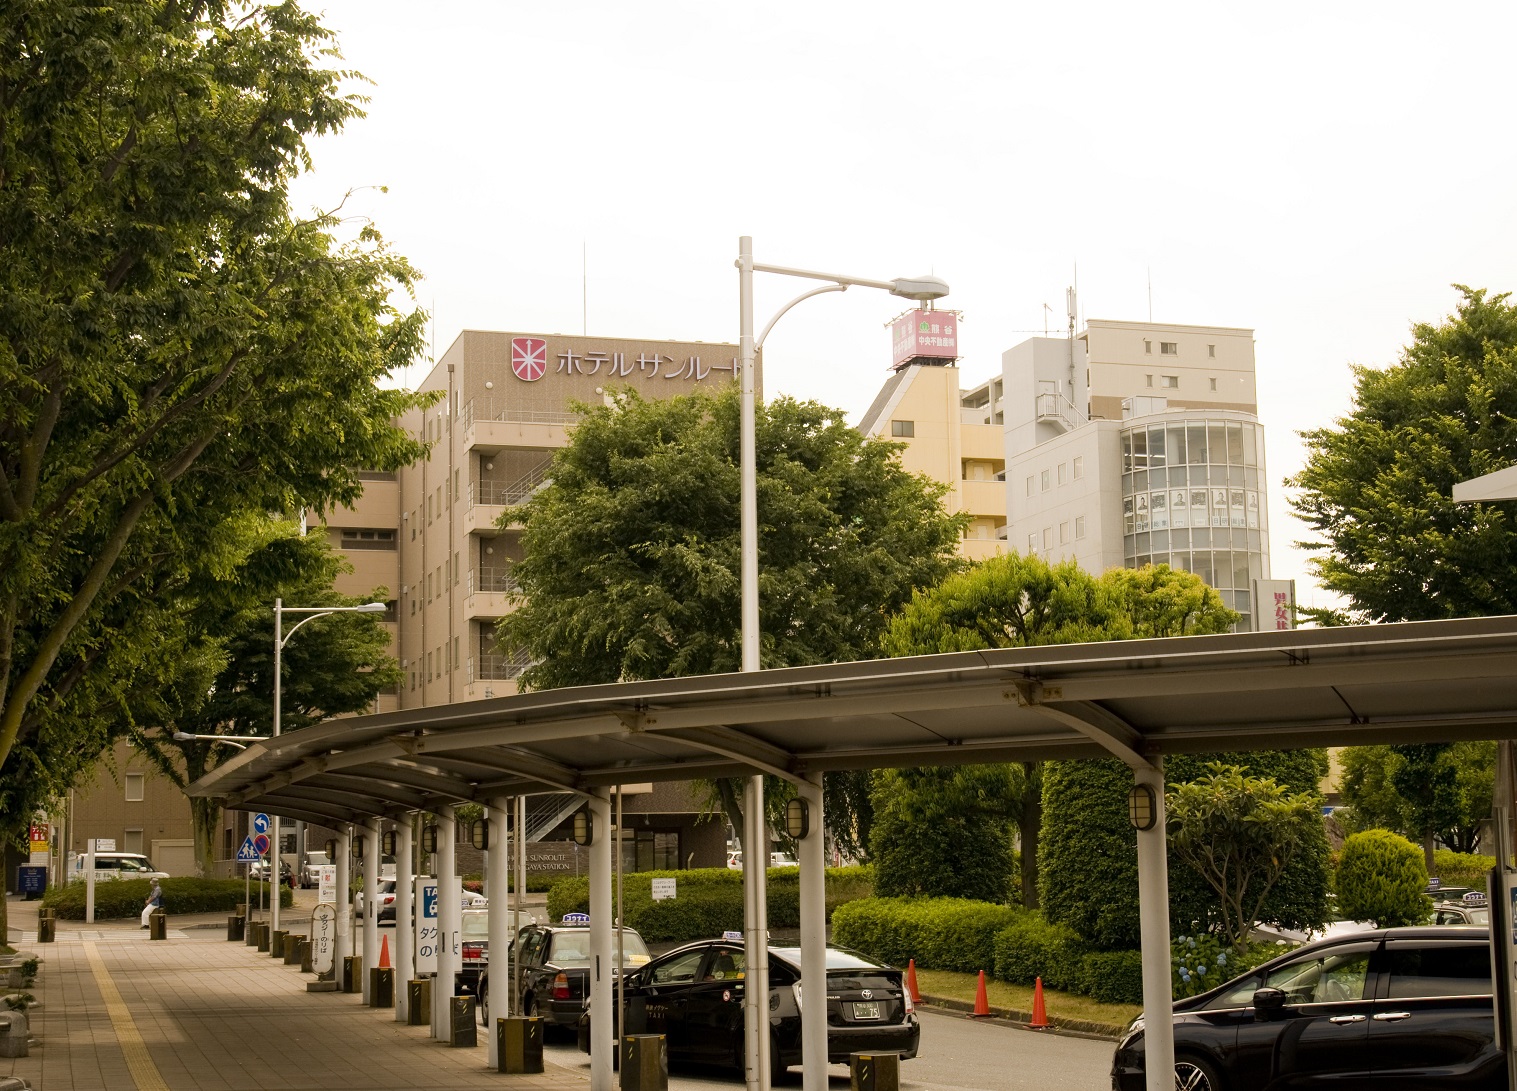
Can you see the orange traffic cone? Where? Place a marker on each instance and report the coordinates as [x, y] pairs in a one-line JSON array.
[[384, 953], [981, 1001], [1039, 1015], [911, 982]]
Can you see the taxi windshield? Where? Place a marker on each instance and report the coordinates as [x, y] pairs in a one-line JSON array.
[[573, 949]]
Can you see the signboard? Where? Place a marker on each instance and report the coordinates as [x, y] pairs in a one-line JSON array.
[[533, 357], [323, 937], [249, 851], [41, 837], [426, 926], [261, 844], [923, 333], [576, 918], [260, 823], [105, 844], [663, 889], [326, 883], [1274, 605]]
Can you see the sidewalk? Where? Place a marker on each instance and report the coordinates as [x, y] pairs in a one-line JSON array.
[[118, 1012]]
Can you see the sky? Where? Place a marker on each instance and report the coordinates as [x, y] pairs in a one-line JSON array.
[[1319, 173]]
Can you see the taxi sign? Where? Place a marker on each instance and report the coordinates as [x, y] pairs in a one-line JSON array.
[[1475, 897], [576, 918], [732, 935]]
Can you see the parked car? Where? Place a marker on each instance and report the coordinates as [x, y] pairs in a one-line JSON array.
[[694, 997], [310, 873], [1399, 1007], [258, 871], [474, 950], [554, 967], [116, 865], [467, 898], [1469, 910]]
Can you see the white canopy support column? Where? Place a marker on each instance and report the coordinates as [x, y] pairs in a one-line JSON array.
[[370, 834], [1153, 932], [344, 864], [449, 922], [497, 874], [603, 1040], [756, 1061], [813, 939], [405, 927]]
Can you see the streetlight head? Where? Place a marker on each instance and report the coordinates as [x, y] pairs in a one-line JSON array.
[[183, 736], [919, 288], [371, 608]]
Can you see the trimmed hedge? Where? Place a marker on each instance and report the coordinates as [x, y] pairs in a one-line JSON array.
[[708, 901], [118, 898], [1112, 977], [939, 933], [1462, 868], [1034, 948]]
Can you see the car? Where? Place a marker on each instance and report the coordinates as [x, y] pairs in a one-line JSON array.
[[1397, 1007], [474, 950], [258, 871], [117, 865], [310, 872], [735, 859], [1468, 910], [467, 898], [694, 997], [553, 969]]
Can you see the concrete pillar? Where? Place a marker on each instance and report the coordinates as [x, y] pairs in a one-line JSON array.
[[497, 872], [813, 941], [405, 926], [602, 1076], [369, 831], [756, 1065], [449, 922], [344, 899], [1153, 915]]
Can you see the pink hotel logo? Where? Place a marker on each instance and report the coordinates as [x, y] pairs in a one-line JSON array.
[[529, 358]]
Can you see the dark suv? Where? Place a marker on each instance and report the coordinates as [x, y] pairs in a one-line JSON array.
[[1396, 1008]]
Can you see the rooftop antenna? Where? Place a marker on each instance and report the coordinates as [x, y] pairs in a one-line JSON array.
[[1071, 304], [1047, 310]]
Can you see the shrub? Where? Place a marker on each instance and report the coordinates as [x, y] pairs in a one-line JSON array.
[[939, 933], [1381, 877], [708, 901], [1113, 977], [118, 898], [1033, 948], [945, 832], [1462, 868]]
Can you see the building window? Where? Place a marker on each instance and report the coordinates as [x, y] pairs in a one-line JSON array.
[[1148, 347], [1079, 467], [1029, 484], [456, 568], [1063, 471], [132, 842], [1079, 527], [1148, 380], [226, 843], [1032, 542], [1063, 533], [455, 653], [1045, 480], [1048, 537], [134, 787], [413, 680], [1214, 383], [904, 429], [1211, 350], [1170, 381], [1169, 348], [368, 539]]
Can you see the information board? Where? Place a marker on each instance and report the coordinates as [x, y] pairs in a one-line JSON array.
[[326, 883], [663, 889], [323, 937], [426, 926]]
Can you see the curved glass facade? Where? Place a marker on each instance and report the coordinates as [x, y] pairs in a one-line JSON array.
[[1193, 497]]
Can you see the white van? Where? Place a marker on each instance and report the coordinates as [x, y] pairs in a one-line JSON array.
[[116, 865]]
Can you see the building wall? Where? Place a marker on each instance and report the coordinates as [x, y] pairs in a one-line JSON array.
[[1211, 367], [157, 823]]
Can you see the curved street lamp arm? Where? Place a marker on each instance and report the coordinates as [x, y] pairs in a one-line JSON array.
[[301, 622], [840, 287]]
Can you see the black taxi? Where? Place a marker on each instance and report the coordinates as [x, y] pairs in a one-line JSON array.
[[694, 997], [553, 968]]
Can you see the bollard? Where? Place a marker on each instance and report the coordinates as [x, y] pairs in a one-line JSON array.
[[874, 1071], [645, 1062], [265, 939], [461, 1014], [292, 949], [352, 969], [250, 934], [419, 1001], [241, 909], [276, 943], [307, 963], [45, 929], [236, 927], [13, 1034], [381, 986], [519, 1045], [158, 925]]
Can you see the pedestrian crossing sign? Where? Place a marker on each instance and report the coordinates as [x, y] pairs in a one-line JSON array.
[[248, 853]]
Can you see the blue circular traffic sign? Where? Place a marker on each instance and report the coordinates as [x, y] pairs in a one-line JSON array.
[[260, 823]]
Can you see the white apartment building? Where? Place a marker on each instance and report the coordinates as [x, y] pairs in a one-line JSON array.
[[1139, 443]]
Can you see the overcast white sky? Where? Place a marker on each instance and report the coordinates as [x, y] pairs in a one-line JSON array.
[[1318, 172]]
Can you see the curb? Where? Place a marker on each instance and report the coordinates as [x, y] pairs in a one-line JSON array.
[[1083, 1028]]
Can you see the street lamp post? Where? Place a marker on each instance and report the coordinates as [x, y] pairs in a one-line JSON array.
[[756, 1069], [281, 638]]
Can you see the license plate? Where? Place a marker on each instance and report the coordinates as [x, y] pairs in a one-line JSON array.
[[866, 1010]]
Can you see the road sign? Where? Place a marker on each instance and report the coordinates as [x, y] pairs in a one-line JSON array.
[[261, 844], [260, 823], [663, 889], [249, 851], [326, 883], [323, 937]]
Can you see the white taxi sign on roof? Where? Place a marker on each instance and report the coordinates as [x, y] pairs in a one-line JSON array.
[[732, 935], [576, 918]]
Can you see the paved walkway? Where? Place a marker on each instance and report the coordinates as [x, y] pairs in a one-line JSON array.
[[118, 1012]]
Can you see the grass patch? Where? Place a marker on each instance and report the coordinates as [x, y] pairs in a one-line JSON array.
[[1064, 1005]]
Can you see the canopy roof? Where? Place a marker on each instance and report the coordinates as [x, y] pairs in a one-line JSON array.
[[1401, 683]]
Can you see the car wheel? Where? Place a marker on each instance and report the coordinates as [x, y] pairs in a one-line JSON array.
[[484, 1004], [1195, 1074]]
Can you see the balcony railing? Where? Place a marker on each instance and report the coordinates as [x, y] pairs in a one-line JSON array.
[[497, 668], [498, 409], [510, 493], [494, 579]]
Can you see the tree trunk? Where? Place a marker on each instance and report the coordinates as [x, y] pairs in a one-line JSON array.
[[732, 807], [1427, 852], [205, 820], [1029, 824]]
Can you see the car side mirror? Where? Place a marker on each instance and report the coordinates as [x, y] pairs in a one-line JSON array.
[[1268, 1003]]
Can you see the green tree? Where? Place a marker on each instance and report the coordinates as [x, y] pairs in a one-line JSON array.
[[1242, 835], [630, 565], [1377, 487], [336, 665], [945, 831], [1013, 601], [175, 346], [1423, 791], [1381, 878]]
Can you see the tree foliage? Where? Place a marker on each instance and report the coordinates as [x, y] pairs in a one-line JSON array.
[[945, 831], [1381, 878], [1422, 791], [630, 564], [1377, 487], [1242, 835], [176, 348]]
